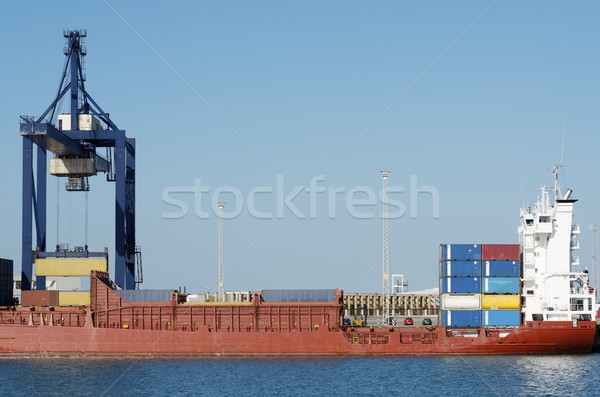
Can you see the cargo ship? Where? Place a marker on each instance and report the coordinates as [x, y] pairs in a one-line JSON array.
[[555, 310], [524, 298]]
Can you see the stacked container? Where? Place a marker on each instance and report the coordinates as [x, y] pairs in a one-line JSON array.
[[6, 282], [460, 285], [480, 285], [501, 285]]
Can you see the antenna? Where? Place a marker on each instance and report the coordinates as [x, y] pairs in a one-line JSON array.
[[385, 295], [562, 143], [221, 292], [523, 193], [556, 172], [594, 255], [558, 167]]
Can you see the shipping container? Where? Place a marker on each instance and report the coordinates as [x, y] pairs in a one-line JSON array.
[[460, 301], [74, 298], [195, 298], [6, 281], [501, 252], [501, 318], [501, 285], [72, 166], [6, 267], [6, 298], [501, 302], [146, 295], [298, 295], [461, 318], [74, 267], [460, 269], [501, 268], [460, 285], [460, 252], [39, 298]]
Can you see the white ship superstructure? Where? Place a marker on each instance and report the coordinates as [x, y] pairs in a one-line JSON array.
[[554, 286]]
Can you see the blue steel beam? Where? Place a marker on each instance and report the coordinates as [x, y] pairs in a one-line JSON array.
[[53, 104], [121, 270], [99, 138], [40, 221], [101, 112], [51, 139], [74, 54], [27, 220], [130, 212], [125, 213]]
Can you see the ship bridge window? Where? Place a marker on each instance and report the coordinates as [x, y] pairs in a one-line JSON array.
[[529, 222], [544, 219]]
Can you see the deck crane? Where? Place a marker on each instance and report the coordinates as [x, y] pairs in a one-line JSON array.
[[74, 140]]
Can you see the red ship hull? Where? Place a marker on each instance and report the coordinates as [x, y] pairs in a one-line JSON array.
[[533, 338]]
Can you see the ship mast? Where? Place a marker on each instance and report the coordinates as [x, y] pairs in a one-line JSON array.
[[221, 293], [556, 172], [385, 293]]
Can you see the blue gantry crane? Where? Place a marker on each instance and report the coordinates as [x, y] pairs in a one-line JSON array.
[[74, 140]]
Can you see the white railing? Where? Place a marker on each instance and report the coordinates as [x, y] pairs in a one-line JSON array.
[[582, 291], [574, 244]]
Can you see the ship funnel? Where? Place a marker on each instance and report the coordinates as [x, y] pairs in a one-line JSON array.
[[568, 194]]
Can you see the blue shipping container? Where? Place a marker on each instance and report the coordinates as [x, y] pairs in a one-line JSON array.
[[461, 285], [501, 285], [501, 269], [501, 318], [6, 282], [460, 269], [145, 295], [460, 252], [298, 295], [461, 318], [6, 298]]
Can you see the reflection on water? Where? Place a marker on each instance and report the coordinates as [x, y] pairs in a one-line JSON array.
[[370, 376]]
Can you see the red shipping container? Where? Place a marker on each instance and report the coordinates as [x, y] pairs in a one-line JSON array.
[[500, 252], [39, 298]]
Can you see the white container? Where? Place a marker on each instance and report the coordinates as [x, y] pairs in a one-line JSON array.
[[72, 166], [461, 302], [87, 122], [195, 298]]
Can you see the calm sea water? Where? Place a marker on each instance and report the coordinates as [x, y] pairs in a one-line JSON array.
[[417, 376]]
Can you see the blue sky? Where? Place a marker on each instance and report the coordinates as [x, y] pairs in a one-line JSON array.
[[470, 98]]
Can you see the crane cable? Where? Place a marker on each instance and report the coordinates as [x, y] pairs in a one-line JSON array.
[[86, 220], [57, 213]]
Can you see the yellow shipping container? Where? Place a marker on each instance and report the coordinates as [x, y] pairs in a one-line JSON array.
[[76, 267], [501, 302], [73, 298]]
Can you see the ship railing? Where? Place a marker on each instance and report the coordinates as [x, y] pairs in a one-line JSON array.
[[575, 244], [583, 291], [580, 308]]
